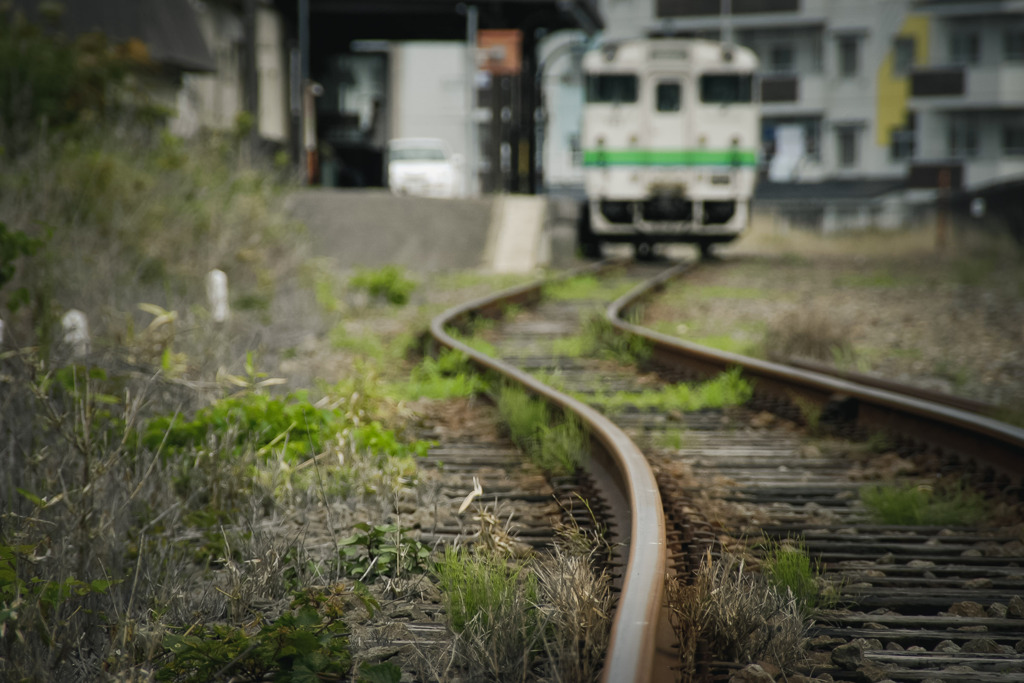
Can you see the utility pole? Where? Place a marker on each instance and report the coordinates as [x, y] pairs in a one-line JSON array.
[[727, 21], [308, 117], [472, 144], [251, 102]]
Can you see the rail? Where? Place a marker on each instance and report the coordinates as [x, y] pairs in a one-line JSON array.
[[950, 429], [622, 473]]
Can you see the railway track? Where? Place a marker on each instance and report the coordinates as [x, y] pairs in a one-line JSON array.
[[936, 602]]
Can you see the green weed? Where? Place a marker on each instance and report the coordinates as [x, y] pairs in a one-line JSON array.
[[479, 587], [559, 448], [790, 568], [388, 283], [910, 504], [447, 376], [599, 338], [381, 550], [727, 389], [302, 645], [671, 438], [586, 287]]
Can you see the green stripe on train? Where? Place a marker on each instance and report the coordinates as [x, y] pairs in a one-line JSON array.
[[665, 157]]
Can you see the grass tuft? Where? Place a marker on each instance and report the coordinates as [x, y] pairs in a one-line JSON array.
[[737, 615], [558, 448], [911, 504]]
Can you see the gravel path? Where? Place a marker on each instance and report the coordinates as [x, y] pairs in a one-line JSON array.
[[885, 304]]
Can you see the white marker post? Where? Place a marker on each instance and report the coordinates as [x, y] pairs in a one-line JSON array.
[[217, 294], [76, 332]]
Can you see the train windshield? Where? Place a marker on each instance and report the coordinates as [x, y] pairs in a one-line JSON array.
[[611, 88], [725, 88]]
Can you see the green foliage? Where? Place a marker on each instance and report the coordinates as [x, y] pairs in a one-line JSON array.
[[584, 287], [726, 389], [789, 567], [388, 283], [51, 81], [383, 672], [600, 338], [558, 448], [671, 438], [478, 586], [49, 600], [381, 550], [564, 447], [911, 504], [13, 245], [301, 645], [291, 424], [447, 376]]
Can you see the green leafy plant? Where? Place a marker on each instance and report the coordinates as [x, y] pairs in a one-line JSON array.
[[910, 504], [15, 244], [388, 283], [381, 550], [301, 645]]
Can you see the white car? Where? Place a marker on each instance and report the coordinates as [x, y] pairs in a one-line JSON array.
[[423, 166]]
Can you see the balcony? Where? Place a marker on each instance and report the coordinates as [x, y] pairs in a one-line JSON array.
[[937, 82], [793, 95], [776, 89], [937, 175], [972, 87]]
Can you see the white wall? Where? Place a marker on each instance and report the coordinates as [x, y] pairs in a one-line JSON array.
[[428, 92], [272, 70]]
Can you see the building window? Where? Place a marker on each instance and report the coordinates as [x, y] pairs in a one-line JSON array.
[[849, 56], [781, 58], [964, 47], [901, 144], [963, 137], [846, 146], [903, 55], [1013, 139], [669, 96], [817, 62], [811, 131], [1013, 44], [902, 141]]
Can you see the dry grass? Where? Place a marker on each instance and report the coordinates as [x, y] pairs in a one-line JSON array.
[[809, 332], [734, 615]]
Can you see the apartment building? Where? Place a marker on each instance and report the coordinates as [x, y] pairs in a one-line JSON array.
[[869, 106], [966, 96]]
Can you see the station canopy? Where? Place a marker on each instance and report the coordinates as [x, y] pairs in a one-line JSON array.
[[338, 22]]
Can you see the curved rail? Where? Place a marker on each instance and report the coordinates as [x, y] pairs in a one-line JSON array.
[[998, 444], [623, 474]]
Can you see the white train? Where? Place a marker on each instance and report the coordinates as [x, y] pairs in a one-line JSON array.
[[670, 140]]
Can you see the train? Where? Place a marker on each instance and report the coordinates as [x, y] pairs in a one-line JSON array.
[[670, 142]]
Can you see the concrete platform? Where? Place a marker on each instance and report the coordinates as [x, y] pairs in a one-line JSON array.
[[373, 228]]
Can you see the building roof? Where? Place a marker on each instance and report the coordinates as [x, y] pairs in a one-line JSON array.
[[168, 28]]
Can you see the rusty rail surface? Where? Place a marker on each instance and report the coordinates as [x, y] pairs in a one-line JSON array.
[[623, 474], [948, 429]]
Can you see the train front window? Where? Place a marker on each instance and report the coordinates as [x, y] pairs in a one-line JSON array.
[[669, 96], [725, 88], [611, 88]]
